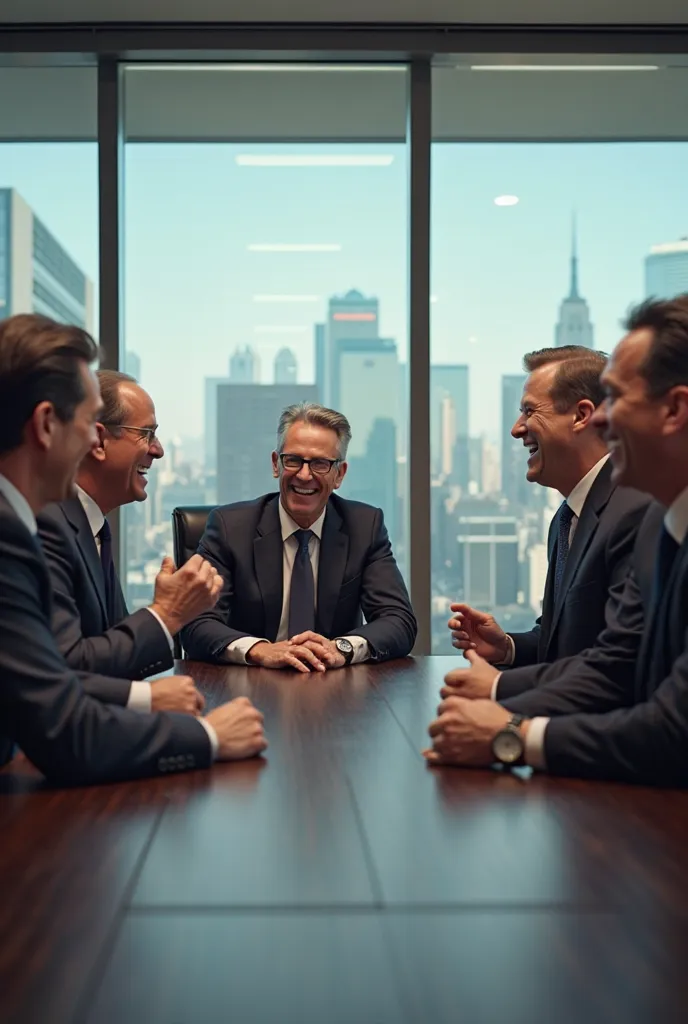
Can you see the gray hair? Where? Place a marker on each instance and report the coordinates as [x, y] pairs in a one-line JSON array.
[[114, 411], [318, 416]]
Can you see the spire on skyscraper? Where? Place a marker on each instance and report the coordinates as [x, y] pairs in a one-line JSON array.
[[574, 326], [573, 294]]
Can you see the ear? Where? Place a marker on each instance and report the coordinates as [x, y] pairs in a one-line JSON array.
[[275, 465], [676, 413], [43, 423], [341, 473], [98, 450], [583, 414]]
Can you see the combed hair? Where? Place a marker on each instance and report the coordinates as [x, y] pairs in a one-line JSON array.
[[666, 365], [319, 416], [577, 377], [40, 361], [114, 411]]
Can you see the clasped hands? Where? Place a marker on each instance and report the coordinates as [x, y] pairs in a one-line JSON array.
[[306, 652]]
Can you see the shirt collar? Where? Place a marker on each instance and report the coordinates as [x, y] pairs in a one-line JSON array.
[[289, 527], [676, 519], [19, 504], [93, 513], [576, 498]]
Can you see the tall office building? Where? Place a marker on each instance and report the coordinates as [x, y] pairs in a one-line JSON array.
[[574, 326], [37, 275], [373, 477], [244, 366], [666, 270], [286, 370], [448, 423], [514, 483], [366, 373], [247, 417], [487, 559], [319, 342], [210, 420], [351, 317]]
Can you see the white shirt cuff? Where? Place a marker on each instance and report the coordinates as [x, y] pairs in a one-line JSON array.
[[361, 649], [511, 653], [495, 685], [238, 649], [212, 736], [535, 744], [164, 629], [140, 697]]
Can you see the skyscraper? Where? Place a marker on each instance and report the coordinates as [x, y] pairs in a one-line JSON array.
[[247, 417], [366, 372], [487, 559], [574, 326], [285, 367], [210, 419], [351, 317], [666, 270], [514, 483], [37, 275], [447, 381], [244, 366], [319, 342]]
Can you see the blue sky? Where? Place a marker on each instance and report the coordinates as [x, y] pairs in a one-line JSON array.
[[498, 273]]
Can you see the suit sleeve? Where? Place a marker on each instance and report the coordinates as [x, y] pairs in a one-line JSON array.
[[526, 646], [622, 610], [134, 648], [69, 736], [208, 636], [390, 627]]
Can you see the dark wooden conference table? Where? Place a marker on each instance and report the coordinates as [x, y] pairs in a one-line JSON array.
[[340, 879]]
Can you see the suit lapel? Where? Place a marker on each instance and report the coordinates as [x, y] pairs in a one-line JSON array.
[[77, 519], [334, 549], [597, 498], [268, 560], [654, 644]]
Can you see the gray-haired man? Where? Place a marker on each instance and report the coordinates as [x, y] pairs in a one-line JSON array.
[[303, 567]]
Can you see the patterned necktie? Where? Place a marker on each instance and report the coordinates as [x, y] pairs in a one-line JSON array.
[[565, 518], [107, 562], [302, 589]]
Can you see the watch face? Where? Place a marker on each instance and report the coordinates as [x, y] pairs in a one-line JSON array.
[[507, 746], [344, 646]]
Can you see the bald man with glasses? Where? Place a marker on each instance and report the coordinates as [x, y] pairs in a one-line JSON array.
[[90, 620]]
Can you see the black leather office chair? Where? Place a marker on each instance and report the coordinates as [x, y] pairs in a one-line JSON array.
[[188, 524]]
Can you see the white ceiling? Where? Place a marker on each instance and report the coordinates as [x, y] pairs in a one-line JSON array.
[[485, 12]]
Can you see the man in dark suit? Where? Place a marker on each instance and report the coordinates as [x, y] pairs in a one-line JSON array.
[[590, 539], [90, 621], [49, 405], [301, 568], [619, 710]]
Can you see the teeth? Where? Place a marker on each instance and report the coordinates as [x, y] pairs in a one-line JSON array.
[[302, 490]]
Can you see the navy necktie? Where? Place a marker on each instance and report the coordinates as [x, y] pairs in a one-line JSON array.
[[667, 550], [302, 589], [565, 518], [107, 562]]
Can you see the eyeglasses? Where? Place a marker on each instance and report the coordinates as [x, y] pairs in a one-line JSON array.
[[319, 467], [148, 432]]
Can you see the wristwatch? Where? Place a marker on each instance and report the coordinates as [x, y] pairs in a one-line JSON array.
[[508, 745], [346, 648]]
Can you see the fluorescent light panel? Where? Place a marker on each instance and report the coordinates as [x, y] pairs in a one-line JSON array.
[[563, 67], [294, 247], [398, 68], [312, 160], [286, 298], [279, 329]]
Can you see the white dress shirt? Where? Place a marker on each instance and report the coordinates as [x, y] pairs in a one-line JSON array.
[[238, 649]]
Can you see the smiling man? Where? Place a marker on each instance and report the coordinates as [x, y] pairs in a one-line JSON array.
[[90, 621], [302, 568], [591, 537]]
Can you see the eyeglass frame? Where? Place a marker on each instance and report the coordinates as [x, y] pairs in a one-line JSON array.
[[149, 433], [307, 462]]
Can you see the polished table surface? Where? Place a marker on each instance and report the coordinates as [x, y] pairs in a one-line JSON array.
[[339, 879]]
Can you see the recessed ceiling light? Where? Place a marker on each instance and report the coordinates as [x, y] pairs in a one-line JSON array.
[[506, 200], [313, 160], [294, 247], [286, 298]]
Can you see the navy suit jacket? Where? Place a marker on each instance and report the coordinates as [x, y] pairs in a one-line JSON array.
[[44, 708], [131, 646], [593, 581], [357, 576], [620, 710]]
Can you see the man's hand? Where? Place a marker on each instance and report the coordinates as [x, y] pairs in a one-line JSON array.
[[477, 631], [475, 682], [176, 693], [464, 732], [182, 594], [325, 650], [285, 655], [239, 729]]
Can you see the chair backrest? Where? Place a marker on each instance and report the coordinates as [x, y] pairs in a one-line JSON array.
[[188, 524]]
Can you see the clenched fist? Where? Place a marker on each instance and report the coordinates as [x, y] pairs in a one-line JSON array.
[[182, 594], [176, 693], [239, 728]]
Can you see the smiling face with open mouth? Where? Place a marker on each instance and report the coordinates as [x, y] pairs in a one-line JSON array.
[[545, 431], [130, 449], [305, 492]]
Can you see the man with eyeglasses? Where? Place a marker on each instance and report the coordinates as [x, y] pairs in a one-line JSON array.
[[303, 568], [90, 620]]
